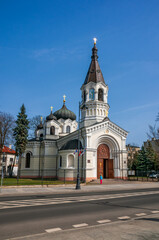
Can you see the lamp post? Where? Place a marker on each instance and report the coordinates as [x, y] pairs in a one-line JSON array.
[[78, 177], [3, 161]]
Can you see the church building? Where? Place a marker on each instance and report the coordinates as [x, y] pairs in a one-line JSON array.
[[102, 144]]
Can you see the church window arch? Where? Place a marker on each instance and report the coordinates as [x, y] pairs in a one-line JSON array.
[[68, 129], [91, 94], [84, 96], [104, 112], [70, 161], [91, 112], [101, 112], [27, 162], [100, 94], [98, 112], [60, 161], [94, 112], [87, 112], [52, 130]]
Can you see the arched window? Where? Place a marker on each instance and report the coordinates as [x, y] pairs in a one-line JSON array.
[[27, 163], [84, 96], [41, 135], [52, 130], [68, 129], [60, 161], [91, 94], [70, 161], [100, 94]]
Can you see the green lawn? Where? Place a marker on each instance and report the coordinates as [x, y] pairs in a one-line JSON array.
[[14, 182]]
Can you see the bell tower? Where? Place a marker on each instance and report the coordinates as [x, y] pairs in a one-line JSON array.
[[94, 107]]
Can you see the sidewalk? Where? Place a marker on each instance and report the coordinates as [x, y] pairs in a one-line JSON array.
[[107, 185]]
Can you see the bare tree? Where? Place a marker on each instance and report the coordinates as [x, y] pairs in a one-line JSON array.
[[6, 129], [33, 123]]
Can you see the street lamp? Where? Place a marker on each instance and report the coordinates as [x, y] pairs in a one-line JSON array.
[[78, 177], [2, 174]]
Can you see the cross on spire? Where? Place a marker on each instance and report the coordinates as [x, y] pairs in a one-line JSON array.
[[51, 108], [64, 100], [41, 119], [95, 40]]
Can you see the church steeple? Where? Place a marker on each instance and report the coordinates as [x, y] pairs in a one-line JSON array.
[[94, 106], [94, 73]]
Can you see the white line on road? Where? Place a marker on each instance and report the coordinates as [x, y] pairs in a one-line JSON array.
[[155, 211], [80, 225], [53, 230], [104, 221], [124, 217], [140, 214]]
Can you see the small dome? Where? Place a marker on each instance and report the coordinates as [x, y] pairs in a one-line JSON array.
[[51, 117], [40, 126], [64, 113]]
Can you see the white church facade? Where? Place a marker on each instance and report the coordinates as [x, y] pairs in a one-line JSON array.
[[53, 151]]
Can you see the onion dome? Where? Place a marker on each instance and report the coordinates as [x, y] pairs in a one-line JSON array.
[[40, 126], [51, 116], [64, 112]]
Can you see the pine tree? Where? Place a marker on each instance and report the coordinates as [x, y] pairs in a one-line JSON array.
[[151, 158], [21, 134], [141, 160]]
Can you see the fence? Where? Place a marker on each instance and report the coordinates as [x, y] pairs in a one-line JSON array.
[[43, 177], [149, 176]]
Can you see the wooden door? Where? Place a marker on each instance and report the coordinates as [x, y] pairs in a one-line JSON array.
[[102, 155], [110, 168]]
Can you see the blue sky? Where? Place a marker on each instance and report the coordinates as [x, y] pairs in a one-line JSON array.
[[45, 50]]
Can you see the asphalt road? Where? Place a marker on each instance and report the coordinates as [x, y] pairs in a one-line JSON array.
[[35, 214]]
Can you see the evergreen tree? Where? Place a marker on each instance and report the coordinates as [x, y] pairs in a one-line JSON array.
[[151, 158], [21, 134], [141, 160]]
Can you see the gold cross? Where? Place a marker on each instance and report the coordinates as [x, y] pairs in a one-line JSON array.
[[95, 40], [51, 108], [41, 119], [64, 98], [106, 113]]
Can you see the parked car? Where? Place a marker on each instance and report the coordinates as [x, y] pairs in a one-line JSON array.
[[154, 175]]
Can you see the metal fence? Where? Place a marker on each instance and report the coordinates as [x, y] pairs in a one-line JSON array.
[[43, 177], [145, 176]]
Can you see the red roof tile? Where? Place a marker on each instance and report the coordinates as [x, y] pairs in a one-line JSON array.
[[8, 150]]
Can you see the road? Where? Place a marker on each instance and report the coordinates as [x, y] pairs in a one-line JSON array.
[[39, 214]]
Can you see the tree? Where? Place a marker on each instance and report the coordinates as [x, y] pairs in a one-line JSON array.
[[151, 157], [7, 124], [154, 130], [33, 123], [141, 160], [21, 135]]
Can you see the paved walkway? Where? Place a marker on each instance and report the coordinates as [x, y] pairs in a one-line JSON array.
[[109, 185]]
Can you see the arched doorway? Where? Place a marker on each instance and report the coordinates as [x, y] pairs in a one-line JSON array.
[[104, 163]]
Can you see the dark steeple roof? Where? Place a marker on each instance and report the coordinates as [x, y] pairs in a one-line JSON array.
[[51, 117], [94, 73]]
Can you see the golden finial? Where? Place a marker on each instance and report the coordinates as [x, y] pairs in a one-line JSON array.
[[51, 108], [41, 119], [95, 40], [106, 113], [64, 98]]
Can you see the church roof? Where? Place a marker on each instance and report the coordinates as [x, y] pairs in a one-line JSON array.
[[94, 73], [64, 113], [72, 144], [51, 117]]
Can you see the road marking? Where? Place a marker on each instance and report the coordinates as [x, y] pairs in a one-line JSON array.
[[53, 230], [124, 217], [52, 201], [140, 214], [155, 211], [104, 221], [80, 225]]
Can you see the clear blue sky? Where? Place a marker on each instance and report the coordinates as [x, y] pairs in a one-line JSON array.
[[45, 50]]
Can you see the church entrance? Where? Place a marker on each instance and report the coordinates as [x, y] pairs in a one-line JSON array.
[[104, 163]]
